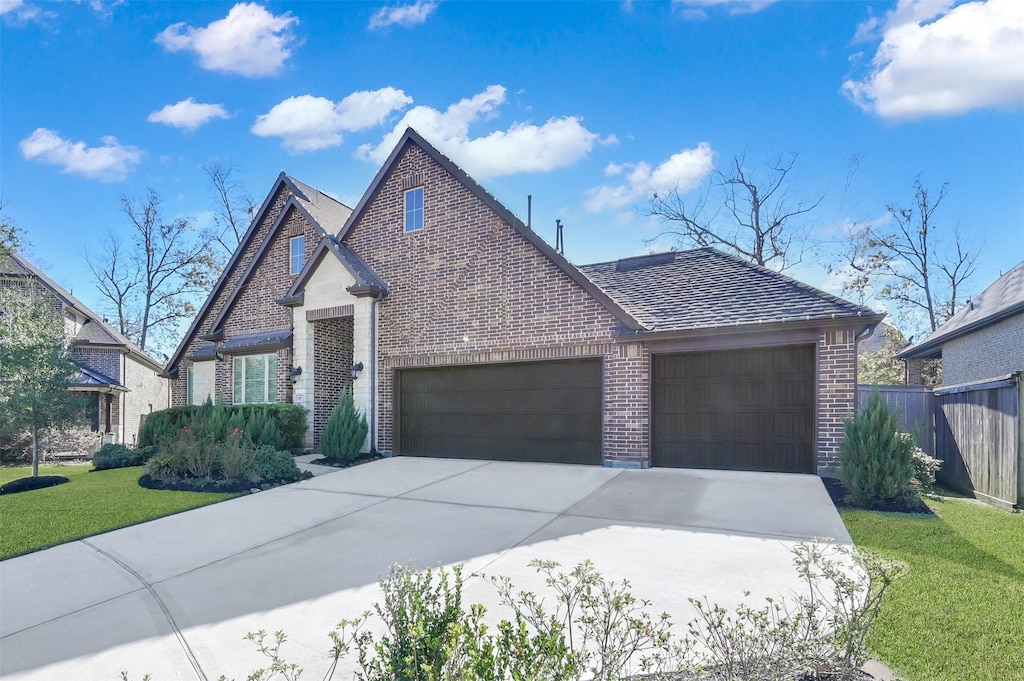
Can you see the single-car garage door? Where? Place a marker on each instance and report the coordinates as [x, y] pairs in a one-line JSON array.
[[536, 411], [747, 410]]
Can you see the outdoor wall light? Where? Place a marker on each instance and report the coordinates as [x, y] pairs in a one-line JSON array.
[[355, 369], [296, 371]]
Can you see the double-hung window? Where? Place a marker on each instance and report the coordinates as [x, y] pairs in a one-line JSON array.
[[255, 379], [414, 209], [297, 259]]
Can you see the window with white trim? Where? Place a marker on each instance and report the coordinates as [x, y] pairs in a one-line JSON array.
[[255, 379], [190, 386], [414, 209], [297, 254]]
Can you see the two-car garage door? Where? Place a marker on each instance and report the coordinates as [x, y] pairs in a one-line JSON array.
[[738, 409], [524, 411]]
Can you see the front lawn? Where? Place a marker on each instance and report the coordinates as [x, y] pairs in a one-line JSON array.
[[90, 503], [959, 613]]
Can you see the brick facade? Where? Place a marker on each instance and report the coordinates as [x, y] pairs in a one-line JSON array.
[[468, 288], [837, 392], [107, 361], [995, 350], [332, 358]]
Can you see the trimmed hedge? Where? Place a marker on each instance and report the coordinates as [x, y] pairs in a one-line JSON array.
[[281, 426], [118, 456]]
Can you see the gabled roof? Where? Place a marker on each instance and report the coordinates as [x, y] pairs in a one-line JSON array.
[[1002, 299], [412, 137], [706, 288], [86, 378], [95, 330], [367, 282], [322, 211]]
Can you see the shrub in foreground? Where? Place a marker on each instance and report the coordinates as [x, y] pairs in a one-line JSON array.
[[113, 455], [189, 457], [585, 626], [345, 431], [279, 425], [875, 460]]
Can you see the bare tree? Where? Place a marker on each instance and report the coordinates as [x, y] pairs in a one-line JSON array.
[[10, 235], [235, 208], [900, 261], [152, 282], [753, 214]]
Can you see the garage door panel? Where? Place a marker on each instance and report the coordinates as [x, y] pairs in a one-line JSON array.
[[541, 411], [741, 409]]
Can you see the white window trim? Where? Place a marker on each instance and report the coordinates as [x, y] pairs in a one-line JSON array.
[[406, 212], [190, 385], [291, 255], [266, 378]]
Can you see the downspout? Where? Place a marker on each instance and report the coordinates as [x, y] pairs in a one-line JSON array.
[[373, 372], [864, 334]]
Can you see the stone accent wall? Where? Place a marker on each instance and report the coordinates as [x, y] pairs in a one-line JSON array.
[[255, 309], [468, 288], [107, 361], [994, 351], [332, 359], [837, 393], [147, 392]]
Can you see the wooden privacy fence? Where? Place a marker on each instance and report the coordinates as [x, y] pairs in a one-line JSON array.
[[975, 429], [915, 404]]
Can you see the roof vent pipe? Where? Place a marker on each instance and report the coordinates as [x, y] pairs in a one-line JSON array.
[[529, 211], [559, 239]]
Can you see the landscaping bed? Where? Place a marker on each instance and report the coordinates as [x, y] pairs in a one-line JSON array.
[[28, 484], [216, 486], [334, 463], [907, 504]]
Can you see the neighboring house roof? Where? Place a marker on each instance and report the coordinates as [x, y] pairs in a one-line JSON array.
[[316, 206], [1002, 299], [706, 288], [412, 137], [90, 379], [366, 280], [95, 330]]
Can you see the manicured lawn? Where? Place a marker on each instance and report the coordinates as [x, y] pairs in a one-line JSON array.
[[89, 504], [959, 613]]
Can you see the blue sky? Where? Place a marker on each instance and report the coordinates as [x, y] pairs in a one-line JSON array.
[[587, 106]]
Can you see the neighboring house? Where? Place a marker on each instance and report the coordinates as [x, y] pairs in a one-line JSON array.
[[984, 339], [119, 381], [462, 333]]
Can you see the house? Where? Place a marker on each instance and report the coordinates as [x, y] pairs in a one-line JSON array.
[[120, 382], [462, 333], [984, 339]]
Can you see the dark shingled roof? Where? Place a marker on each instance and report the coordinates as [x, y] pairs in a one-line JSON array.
[[251, 342], [707, 288], [90, 378], [1004, 298]]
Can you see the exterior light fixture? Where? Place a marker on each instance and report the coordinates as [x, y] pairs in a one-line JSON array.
[[296, 371], [355, 369]]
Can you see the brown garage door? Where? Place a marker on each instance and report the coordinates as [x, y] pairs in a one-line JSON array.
[[739, 410], [538, 411]]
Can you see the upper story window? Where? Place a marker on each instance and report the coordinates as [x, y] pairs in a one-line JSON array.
[[297, 254], [255, 379], [414, 209]]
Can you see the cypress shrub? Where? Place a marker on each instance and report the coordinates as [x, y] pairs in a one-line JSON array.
[[285, 432], [345, 431], [875, 461]]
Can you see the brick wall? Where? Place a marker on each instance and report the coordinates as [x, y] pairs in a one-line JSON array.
[[107, 361], [332, 359], [468, 288], [255, 309], [837, 393], [994, 351]]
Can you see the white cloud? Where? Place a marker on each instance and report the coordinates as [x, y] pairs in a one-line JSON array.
[[683, 172], [188, 114], [109, 162], [10, 5], [249, 41], [522, 148], [403, 15], [307, 123], [936, 61], [697, 9]]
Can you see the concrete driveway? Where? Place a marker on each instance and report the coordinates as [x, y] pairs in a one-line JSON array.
[[174, 597]]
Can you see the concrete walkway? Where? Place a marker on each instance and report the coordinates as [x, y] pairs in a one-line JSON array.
[[174, 597]]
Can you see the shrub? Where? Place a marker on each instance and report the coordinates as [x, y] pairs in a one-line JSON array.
[[345, 430], [925, 467], [273, 466], [217, 421], [875, 461], [236, 456], [118, 456], [165, 466]]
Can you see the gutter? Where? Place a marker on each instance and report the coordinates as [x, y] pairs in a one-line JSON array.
[[869, 321]]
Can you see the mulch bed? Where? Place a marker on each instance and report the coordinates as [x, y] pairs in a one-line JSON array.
[[217, 486], [838, 492], [361, 459], [30, 483]]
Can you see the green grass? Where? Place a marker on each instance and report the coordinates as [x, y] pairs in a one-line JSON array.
[[959, 613], [90, 503]]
